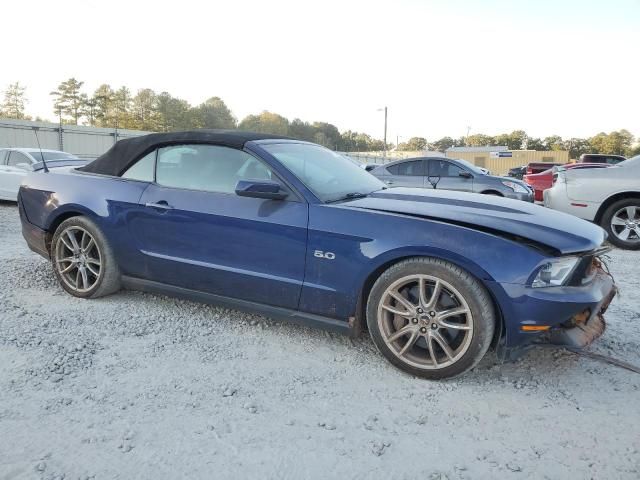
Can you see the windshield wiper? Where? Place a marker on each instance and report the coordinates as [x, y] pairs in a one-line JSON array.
[[349, 196]]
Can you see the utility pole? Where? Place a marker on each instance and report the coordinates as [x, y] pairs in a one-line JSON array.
[[60, 139], [385, 133]]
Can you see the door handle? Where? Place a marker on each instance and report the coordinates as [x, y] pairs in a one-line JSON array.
[[389, 182], [162, 205]]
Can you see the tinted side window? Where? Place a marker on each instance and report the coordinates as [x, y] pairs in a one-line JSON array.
[[207, 167], [18, 157], [3, 157], [414, 168], [143, 169], [442, 168], [613, 160]]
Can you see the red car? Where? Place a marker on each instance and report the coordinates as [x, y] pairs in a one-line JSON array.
[[543, 180]]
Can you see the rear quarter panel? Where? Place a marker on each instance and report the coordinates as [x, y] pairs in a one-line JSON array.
[[48, 198], [598, 184]]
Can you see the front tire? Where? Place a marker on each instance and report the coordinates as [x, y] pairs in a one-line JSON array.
[[621, 220], [430, 318], [82, 259]]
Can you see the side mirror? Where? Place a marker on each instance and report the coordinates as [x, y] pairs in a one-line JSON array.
[[465, 174], [24, 166], [260, 189]]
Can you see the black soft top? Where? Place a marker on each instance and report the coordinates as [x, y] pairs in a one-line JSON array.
[[124, 153]]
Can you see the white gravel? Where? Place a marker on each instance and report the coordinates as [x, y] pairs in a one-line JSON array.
[[143, 386]]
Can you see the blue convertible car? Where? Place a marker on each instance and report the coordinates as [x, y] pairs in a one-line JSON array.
[[295, 231]]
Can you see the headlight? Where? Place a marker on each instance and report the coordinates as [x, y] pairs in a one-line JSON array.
[[516, 187], [555, 272]]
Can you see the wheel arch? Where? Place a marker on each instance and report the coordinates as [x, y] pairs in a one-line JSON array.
[[473, 269], [59, 216], [611, 200]]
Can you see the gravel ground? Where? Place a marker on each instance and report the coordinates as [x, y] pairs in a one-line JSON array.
[[143, 386]]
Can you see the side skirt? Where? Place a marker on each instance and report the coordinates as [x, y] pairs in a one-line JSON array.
[[275, 313]]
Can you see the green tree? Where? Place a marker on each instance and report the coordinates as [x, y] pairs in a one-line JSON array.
[[443, 144], [265, 122], [326, 134], [214, 113], [514, 140], [614, 143], [480, 140], [104, 110], [534, 143], [174, 113], [414, 144], [144, 110], [359, 142], [576, 147], [14, 101], [554, 142], [89, 110], [122, 101], [303, 130], [69, 100]]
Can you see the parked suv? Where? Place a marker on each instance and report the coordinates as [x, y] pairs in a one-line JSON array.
[[450, 174], [601, 158]]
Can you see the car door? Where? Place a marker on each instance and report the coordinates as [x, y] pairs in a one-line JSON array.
[[445, 175], [405, 174], [16, 167], [195, 232]]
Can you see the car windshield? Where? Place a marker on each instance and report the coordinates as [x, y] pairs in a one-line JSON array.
[[38, 155], [632, 162], [471, 166], [329, 175]]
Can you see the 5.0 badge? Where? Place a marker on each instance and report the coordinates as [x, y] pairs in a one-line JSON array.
[[325, 255]]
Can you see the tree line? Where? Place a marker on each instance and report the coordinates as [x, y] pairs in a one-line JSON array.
[[616, 143], [161, 112]]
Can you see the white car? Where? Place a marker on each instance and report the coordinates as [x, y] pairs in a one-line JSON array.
[[609, 197], [15, 163]]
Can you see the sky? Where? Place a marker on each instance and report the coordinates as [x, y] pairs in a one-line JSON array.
[[561, 67]]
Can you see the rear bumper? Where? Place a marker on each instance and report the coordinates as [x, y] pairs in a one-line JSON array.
[[35, 237], [556, 307]]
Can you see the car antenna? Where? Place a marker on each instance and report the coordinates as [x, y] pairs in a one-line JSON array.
[[44, 164]]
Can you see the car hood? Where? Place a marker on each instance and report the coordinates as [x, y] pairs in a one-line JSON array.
[[562, 232]]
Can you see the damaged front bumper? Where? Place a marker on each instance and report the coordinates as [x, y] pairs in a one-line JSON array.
[[571, 315], [583, 328]]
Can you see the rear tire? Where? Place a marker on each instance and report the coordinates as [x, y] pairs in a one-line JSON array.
[[83, 260], [621, 220], [430, 318]]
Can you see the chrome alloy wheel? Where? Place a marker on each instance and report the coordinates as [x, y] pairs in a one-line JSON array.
[[78, 259], [625, 224], [425, 321]]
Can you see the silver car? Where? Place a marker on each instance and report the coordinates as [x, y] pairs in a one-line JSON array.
[[450, 174], [15, 163]]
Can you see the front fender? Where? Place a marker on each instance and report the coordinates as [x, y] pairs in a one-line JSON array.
[[366, 242]]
